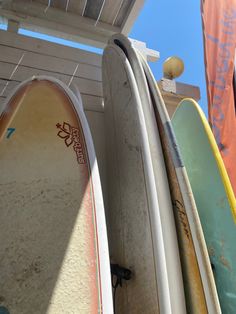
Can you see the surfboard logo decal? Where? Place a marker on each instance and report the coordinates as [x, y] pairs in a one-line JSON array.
[[71, 136]]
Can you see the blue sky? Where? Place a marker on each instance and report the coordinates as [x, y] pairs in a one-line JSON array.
[[174, 27]]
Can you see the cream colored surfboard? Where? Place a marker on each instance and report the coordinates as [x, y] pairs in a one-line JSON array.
[[137, 209], [53, 253], [175, 279], [131, 194]]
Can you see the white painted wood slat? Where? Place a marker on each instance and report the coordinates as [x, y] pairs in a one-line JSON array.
[[50, 63], [6, 70], [9, 54], [110, 11], [22, 57], [6, 89], [23, 73], [88, 87], [51, 49], [93, 103]]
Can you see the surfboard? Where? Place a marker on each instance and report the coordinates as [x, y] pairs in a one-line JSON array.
[[54, 251], [213, 194], [200, 291], [134, 223], [162, 188], [180, 192]]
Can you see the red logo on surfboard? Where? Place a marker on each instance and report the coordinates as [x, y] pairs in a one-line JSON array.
[[71, 136]]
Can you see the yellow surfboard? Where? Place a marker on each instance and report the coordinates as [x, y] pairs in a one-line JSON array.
[[53, 253]]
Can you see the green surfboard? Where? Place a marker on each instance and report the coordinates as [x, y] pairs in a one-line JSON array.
[[213, 195]]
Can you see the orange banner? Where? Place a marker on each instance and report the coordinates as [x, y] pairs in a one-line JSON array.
[[219, 30]]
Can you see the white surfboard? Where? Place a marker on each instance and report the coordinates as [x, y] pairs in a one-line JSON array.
[[161, 181], [136, 236]]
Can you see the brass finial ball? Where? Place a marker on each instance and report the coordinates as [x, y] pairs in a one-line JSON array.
[[173, 67]]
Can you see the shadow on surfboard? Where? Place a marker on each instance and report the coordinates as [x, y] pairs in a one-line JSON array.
[[53, 252]]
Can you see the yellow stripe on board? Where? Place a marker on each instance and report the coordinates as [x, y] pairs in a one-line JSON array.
[[217, 155]]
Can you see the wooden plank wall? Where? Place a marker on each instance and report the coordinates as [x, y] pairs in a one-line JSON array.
[[22, 57]]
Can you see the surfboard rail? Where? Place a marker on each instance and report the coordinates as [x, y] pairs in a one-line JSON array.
[[224, 175]]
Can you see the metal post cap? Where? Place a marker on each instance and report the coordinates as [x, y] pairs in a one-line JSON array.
[[173, 67]]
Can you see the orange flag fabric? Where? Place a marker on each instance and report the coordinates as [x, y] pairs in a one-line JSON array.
[[219, 31]]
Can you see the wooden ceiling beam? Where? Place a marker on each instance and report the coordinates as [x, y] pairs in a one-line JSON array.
[[38, 17]]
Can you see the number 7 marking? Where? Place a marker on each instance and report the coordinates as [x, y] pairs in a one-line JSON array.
[[10, 131]]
